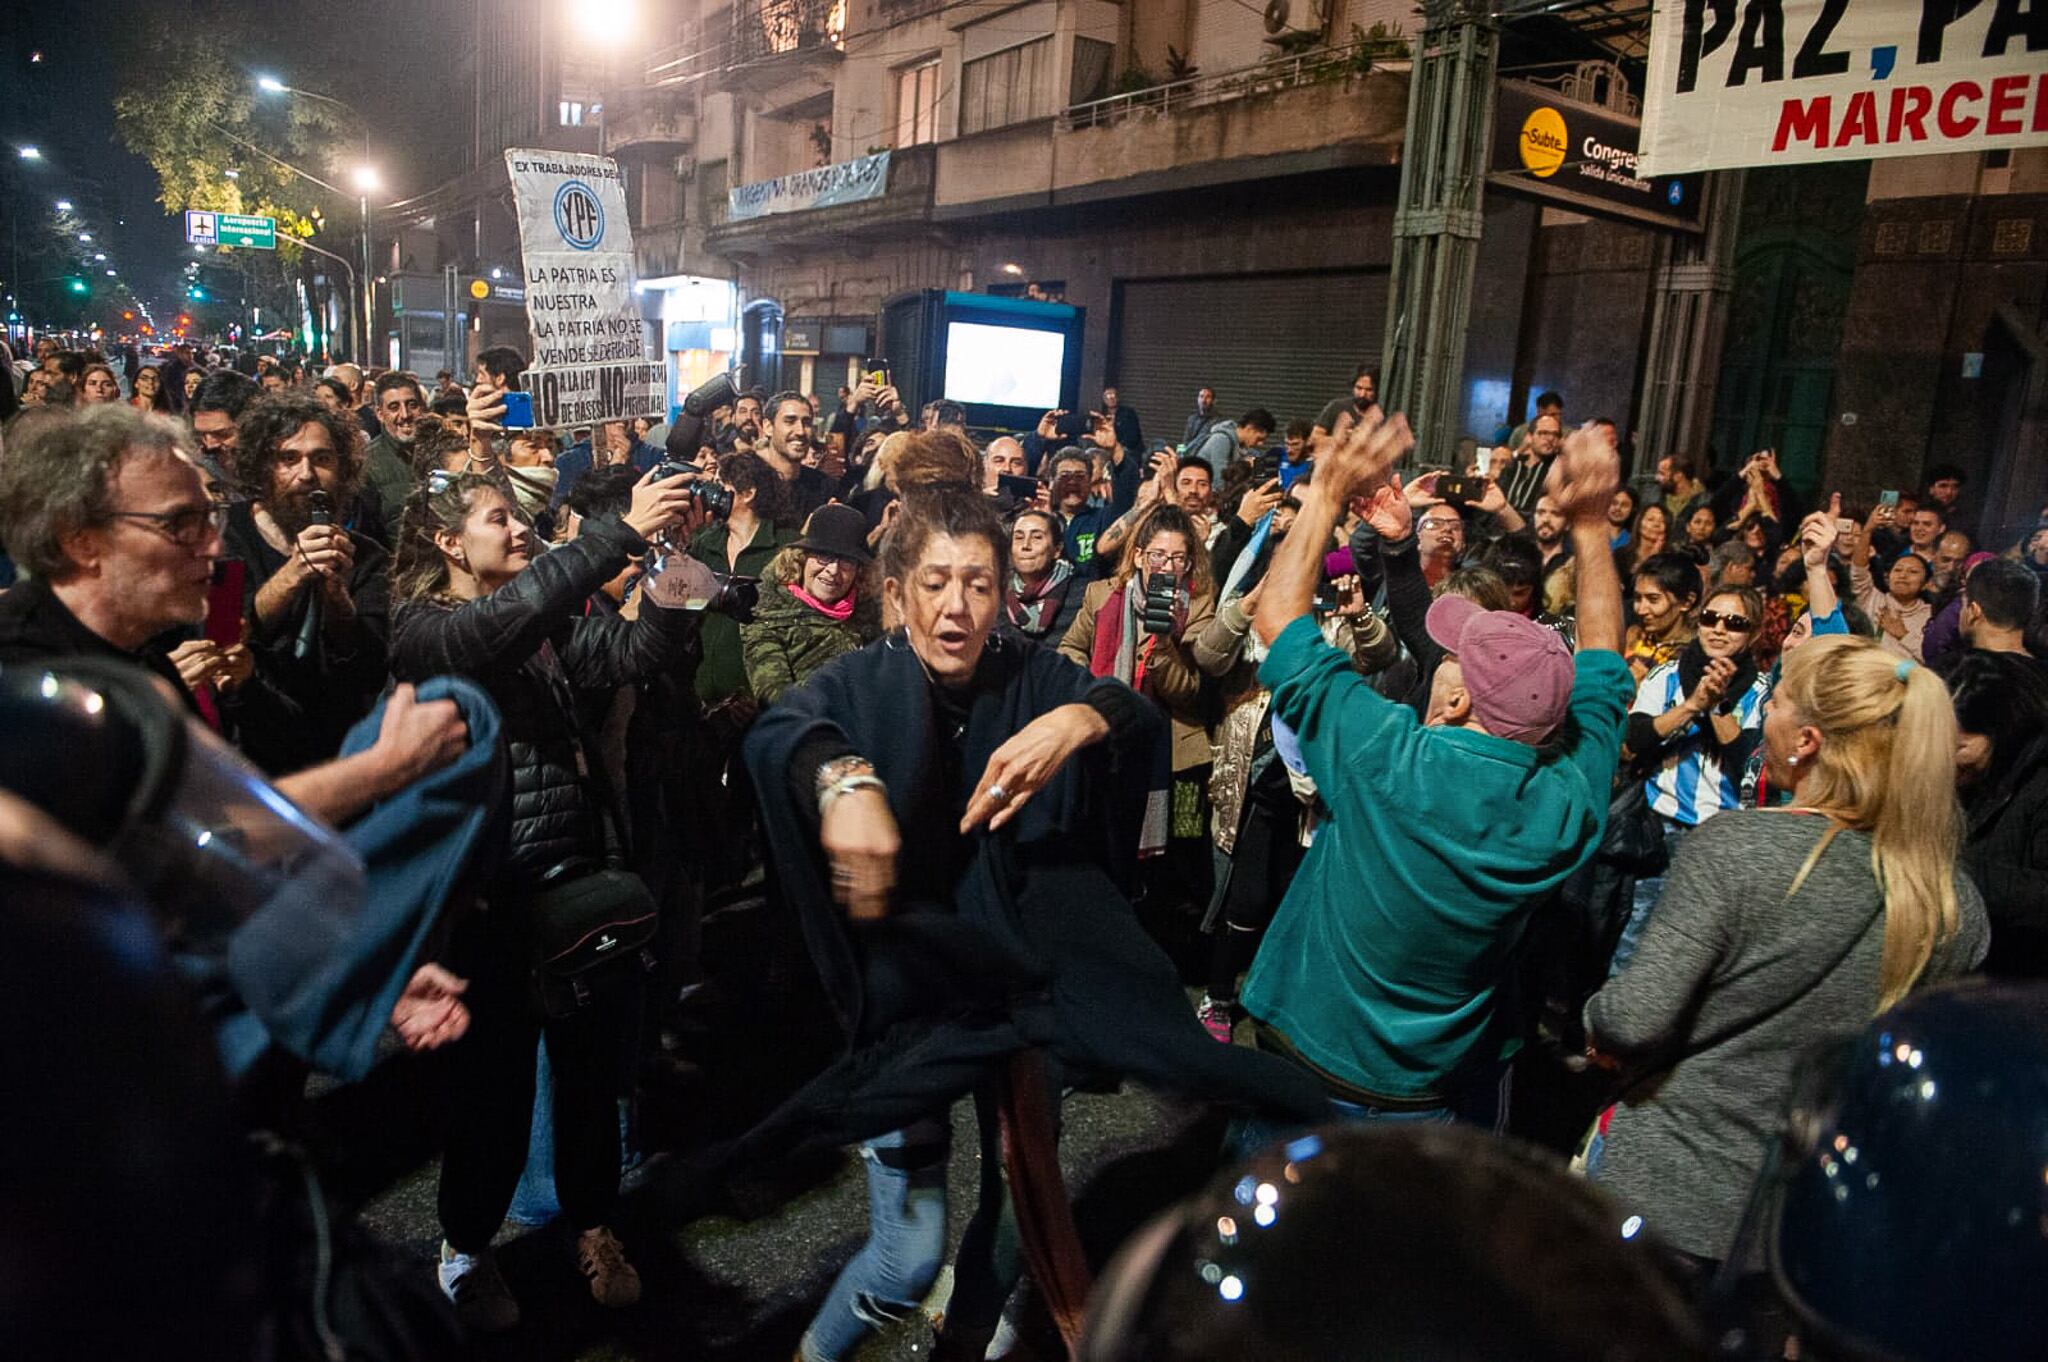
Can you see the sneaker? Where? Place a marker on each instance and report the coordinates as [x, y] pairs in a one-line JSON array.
[[482, 1300], [1218, 1019], [613, 1281]]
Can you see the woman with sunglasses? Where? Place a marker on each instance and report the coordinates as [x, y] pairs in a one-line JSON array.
[[1695, 722]]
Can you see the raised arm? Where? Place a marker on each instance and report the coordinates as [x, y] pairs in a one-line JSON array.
[[1582, 483], [1817, 535], [1352, 465]]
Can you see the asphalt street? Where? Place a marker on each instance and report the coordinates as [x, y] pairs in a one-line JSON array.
[[722, 1288]]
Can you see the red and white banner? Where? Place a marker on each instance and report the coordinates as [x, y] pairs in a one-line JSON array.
[[1779, 82]]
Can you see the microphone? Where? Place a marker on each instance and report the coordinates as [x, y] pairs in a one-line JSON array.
[[309, 629]]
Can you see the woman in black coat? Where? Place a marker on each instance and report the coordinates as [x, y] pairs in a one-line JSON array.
[[2002, 774], [472, 599]]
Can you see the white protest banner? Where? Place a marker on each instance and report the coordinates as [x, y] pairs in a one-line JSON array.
[[866, 177], [590, 360], [1780, 82]]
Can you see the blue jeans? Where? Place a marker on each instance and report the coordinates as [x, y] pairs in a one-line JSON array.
[[1648, 890], [534, 1203], [894, 1270], [1482, 1102]]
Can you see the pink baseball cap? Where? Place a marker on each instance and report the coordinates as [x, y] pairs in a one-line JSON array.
[[1519, 673]]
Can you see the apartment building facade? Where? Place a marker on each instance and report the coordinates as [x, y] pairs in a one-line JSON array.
[[1212, 186], [1215, 183]]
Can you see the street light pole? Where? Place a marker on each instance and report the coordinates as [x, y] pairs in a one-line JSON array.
[[366, 184]]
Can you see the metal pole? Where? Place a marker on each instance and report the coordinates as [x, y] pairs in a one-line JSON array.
[[366, 301], [448, 328]]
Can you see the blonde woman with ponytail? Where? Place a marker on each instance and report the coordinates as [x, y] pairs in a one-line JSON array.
[[1780, 927]]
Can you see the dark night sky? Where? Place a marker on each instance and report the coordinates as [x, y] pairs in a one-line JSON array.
[[406, 69]]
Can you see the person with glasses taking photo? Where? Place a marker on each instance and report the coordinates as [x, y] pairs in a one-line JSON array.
[[1695, 722]]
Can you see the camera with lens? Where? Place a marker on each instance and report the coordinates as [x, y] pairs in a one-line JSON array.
[[737, 596], [686, 432], [714, 497], [1162, 603]]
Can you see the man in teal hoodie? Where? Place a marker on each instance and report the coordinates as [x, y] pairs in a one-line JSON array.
[[1381, 969]]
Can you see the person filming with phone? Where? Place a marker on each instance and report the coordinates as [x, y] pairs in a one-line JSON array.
[[1139, 626]]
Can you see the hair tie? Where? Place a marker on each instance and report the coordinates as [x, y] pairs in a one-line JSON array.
[[1903, 670]]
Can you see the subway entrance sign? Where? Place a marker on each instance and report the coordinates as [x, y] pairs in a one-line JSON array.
[[230, 229]]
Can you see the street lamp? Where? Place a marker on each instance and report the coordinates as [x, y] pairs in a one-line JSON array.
[[63, 205], [604, 23], [366, 183], [31, 153]]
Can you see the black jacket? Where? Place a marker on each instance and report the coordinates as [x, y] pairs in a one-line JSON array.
[[322, 694], [35, 624], [2006, 852], [995, 942], [530, 645]]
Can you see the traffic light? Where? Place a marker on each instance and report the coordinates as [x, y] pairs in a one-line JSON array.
[[127, 316], [196, 293], [184, 320], [77, 286]]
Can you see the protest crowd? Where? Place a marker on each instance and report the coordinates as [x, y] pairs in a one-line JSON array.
[[1563, 883]]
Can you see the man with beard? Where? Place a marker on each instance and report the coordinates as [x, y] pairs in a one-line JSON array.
[[1343, 411], [387, 465], [316, 595], [743, 431], [787, 444]]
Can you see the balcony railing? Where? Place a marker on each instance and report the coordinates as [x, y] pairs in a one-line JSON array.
[[908, 197], [697, 55], [663, 115], [1281, 73], [762, 29]]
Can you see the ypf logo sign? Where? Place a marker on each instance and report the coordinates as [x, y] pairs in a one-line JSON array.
[[1542, 142], [579, 217]]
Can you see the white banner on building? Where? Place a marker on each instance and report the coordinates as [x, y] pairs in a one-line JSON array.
[[846, 182], [590, 360], [1780, 82]]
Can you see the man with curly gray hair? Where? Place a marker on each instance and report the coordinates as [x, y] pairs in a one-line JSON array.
[[316, 593], [106, 511]]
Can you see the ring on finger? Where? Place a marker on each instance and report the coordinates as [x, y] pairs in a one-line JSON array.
[[999, 794]]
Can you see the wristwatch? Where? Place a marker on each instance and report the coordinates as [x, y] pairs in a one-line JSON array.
[[839, 768]]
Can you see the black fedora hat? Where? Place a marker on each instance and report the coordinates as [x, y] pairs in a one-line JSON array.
[[838, 530]]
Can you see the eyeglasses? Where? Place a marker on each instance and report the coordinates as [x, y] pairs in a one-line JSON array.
[[1734, 624], [1160, 558], [188, 526]]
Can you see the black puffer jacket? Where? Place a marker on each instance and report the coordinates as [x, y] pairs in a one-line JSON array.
[[2006, 852], [505, 641]]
